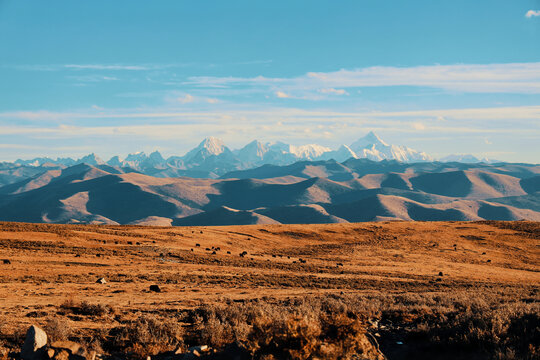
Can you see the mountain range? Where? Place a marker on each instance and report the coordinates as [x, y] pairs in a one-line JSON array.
[[324, 191], [212, 158]]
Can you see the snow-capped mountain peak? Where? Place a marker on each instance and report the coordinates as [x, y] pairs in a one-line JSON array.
[[373, 147], [208, 147], [309, 151], [252, 152], [371, 139]]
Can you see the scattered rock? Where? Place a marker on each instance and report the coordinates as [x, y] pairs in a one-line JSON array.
[[155, 288], [34, 344], [200, 348], [6, 261], [72, 348], [101, 281], [440, 273]]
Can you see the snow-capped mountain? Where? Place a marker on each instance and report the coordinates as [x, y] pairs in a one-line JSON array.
[[374, 148], [467, 158], [210, 146], [342, 154], [212, 158], [253, 152]]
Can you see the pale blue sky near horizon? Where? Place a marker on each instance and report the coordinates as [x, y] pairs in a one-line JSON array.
[[116, 77]]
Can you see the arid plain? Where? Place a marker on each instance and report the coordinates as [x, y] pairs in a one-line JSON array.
[[397, 272]]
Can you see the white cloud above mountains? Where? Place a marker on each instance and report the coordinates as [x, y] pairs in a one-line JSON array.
[[333, 91], [522, 78]]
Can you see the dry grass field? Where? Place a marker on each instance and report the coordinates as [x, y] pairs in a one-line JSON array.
[[417, 289]]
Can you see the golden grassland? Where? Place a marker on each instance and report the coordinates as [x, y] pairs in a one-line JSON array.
[[415, 289]]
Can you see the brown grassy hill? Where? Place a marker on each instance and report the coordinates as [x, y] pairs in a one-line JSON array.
[[87, 194]]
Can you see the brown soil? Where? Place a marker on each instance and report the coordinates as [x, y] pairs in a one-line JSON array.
[[54, 265]]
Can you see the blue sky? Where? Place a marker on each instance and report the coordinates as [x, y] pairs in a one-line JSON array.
[[115, 77]]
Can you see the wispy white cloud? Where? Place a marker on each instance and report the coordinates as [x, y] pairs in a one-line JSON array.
[[333, 91], [187, 98], [93, 78], [532, 13], [442, 116], [282, 95], [108, 67], [468, 78]]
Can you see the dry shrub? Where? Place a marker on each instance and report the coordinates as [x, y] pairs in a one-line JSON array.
[[58, 329], [506, 332], [149, 335], [85, 308], [305, 329]]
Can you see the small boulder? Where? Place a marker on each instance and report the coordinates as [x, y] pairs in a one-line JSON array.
[[440, 273], [155, 288], [6, 261], [34, 344], [72, 347], [101, 281], [200, 348]]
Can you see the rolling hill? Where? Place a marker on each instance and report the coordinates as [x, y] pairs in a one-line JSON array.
[[303, 192]]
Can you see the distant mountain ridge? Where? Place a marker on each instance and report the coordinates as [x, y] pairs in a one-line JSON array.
[[212, 158], [323, 191]]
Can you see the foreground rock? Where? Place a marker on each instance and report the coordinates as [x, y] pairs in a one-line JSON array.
[[64, 350], [35, 348], [34, 344]]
